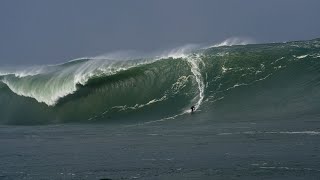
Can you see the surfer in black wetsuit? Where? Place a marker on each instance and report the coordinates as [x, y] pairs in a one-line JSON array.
[[193, 109]]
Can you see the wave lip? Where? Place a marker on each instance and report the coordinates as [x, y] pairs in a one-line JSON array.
[[51, 83], [162, 86]]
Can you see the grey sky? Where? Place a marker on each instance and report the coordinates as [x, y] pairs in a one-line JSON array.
[[48, 32]]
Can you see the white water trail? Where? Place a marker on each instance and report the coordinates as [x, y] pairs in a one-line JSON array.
[[194, 62]]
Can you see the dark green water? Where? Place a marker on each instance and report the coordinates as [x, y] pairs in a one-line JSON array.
[[257, 116], [102, 90]]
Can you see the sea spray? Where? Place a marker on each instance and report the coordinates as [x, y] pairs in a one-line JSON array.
[[153, 88]]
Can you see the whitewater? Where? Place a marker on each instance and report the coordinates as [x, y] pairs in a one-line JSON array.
[[161, 85], [127, 116]]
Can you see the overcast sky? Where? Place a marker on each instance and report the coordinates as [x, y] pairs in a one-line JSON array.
[[49, 32]]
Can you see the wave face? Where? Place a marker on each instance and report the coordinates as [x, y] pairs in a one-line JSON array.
[[212, 79]]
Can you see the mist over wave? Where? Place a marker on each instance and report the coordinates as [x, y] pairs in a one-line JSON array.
[[235, 41], [131, 85]]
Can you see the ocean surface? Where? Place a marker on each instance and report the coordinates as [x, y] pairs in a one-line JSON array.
[[128, 117]]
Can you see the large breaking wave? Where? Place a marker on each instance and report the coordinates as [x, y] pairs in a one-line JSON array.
[[106, 88]]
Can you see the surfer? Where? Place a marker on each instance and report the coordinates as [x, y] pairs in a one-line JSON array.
[[193, 109]]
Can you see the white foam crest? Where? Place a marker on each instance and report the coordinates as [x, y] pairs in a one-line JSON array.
[[47, 91], [59, 81], [235, 41], [37, 94], [23, 71], [4, 73], [122, 56], [180, 52]]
